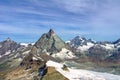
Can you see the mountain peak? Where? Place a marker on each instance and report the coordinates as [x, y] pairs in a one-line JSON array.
[[80, 38], [8, 39], [117, 41], [51, 32], [50, 42]]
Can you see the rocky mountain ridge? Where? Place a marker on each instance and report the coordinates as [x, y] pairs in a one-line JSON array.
[[31, 59], [96, 50]]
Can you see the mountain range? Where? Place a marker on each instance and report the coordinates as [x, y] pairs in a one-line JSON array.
[[20, 61]]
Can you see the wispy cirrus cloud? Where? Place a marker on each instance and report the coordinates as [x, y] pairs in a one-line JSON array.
[[20, 30], [90, 18]]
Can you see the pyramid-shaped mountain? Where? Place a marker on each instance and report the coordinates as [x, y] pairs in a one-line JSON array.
[[48, 47], [49, 42]]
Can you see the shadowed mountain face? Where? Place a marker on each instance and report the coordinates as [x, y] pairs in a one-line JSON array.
[[98, 53], [49, 42]]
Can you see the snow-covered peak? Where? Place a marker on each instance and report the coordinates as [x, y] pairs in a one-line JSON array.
[[80, 38], [81, 43]]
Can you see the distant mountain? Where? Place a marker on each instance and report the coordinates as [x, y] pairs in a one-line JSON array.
[[8, 46], [12, 53], [81, 43], [95, 50]]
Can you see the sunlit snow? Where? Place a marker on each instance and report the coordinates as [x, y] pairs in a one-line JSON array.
[[79, 74]]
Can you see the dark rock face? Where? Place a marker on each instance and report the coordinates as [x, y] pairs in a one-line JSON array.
[[42, 71], [98, 53], [115, 57], [28, 62], [8, 45], [117, 41], [49, 42]]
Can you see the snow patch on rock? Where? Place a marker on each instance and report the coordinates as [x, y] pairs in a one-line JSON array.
[[34, 58], [20, 59], [8, 52], [85, 47], [67, 41], [108, 46], [26, 52], [64, 54]]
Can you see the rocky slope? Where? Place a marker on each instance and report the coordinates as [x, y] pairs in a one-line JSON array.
[[12, 53]]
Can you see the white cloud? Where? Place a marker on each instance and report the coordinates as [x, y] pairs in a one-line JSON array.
[[24, 9]]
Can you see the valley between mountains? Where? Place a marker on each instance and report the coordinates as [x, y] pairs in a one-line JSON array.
[[50, 58]]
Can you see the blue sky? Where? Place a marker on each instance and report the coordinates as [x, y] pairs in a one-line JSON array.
[[27, 20]]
